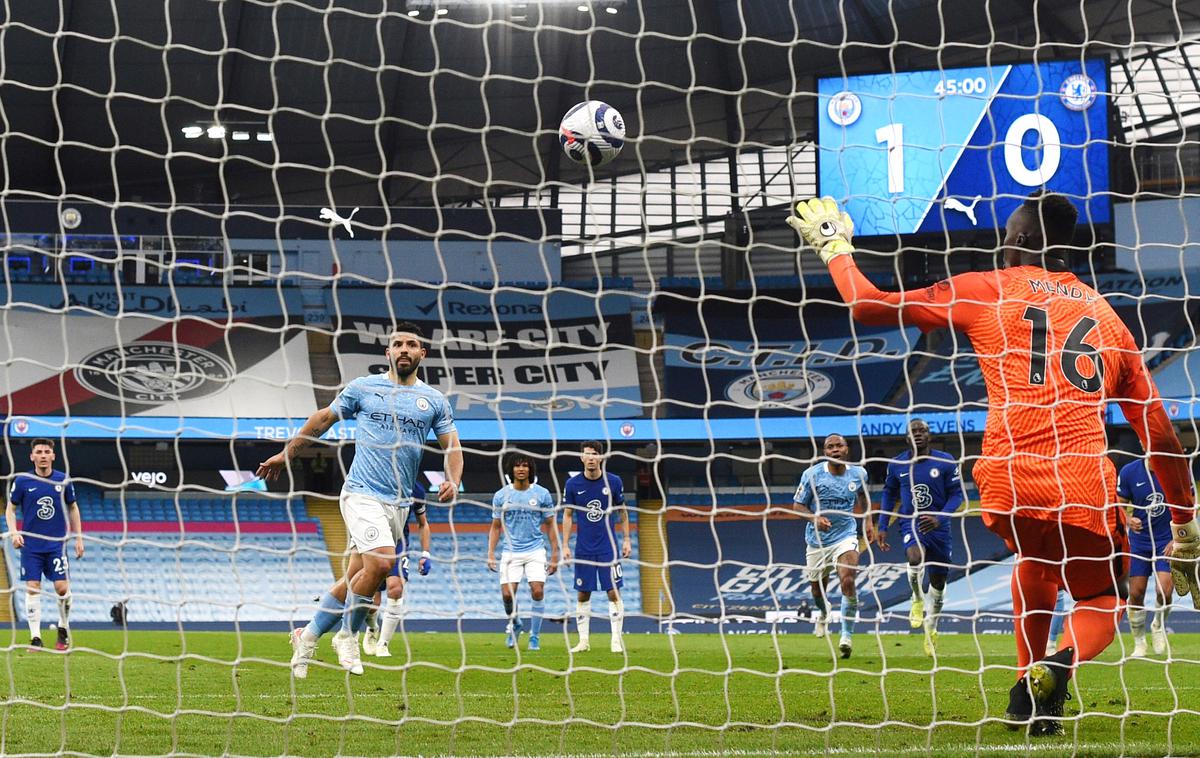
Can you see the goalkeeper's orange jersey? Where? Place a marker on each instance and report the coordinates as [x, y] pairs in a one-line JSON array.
[[1053, 353]]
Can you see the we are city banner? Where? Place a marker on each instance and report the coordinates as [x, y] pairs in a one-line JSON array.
[[560, 355], [765, 358], [58, 364]]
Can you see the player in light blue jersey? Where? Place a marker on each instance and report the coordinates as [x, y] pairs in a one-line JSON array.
[[923, 487], [522, 512], [830, 496], [396, 412]]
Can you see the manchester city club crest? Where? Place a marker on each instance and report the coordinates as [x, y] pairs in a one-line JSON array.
[[789, 387], [844, 108], [153, 372], [422, 404]]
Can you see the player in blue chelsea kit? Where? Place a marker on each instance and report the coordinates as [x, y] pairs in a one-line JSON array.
[[396, 412], [596, 494], [47, 503], [521, 512], [927, 486], [379, 632], [1149, 536], [830, 495]]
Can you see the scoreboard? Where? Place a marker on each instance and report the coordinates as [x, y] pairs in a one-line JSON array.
[[959, 149]]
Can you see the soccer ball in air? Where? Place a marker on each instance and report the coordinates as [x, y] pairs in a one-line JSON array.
[[592, 133]]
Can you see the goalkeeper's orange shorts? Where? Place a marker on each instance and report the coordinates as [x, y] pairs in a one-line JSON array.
[[1087, 564]]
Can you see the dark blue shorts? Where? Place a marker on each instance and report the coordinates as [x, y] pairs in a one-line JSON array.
[[1146, 554], [597, 572], [936, 548], [52, 565]]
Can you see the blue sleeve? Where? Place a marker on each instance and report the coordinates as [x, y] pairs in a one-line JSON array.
[[548, 505], [347, 403], [444, 422], [418, 493], [954, 489], [497, 505], [618, 489], [16, 493], [891, 496], [69, 493], [1123, 484]]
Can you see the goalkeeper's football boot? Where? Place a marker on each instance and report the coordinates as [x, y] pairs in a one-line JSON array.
[[63, 642], [582, 647], [346, 645], [302, 653], [1048, 681], [916, 614], [1020, 705], [36, 643], [846, 645]]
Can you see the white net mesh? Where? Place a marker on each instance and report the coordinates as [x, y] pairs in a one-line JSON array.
[[216, 212]]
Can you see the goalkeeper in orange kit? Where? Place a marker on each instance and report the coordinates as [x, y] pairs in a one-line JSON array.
[[1053, 354]]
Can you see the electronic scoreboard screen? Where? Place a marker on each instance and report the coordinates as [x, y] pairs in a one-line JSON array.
[[959, 149]]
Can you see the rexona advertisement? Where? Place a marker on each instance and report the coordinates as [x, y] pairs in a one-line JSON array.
[[507, 354]]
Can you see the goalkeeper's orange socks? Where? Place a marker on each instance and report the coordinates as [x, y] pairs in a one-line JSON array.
[[1093, 625], [1034, 593]]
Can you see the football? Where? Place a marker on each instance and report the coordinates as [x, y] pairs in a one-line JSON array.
[[592, 133]]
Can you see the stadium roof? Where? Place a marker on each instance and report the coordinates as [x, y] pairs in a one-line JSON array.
[[369, 105]]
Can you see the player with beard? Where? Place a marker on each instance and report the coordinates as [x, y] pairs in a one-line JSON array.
[[395, 412]]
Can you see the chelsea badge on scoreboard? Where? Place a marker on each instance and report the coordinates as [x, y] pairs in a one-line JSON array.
[[1077, 92]]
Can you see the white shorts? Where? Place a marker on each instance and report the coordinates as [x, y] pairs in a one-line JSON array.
[[823, 559], [530, 565], [372, 523]]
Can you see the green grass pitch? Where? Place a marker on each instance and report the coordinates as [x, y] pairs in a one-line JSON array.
[[208, 693]]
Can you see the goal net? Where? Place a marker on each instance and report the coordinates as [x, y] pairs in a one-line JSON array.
[[217, 213]]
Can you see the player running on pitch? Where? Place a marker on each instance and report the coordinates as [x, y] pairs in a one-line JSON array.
[[1053, 354], [521, 512], [396, 412], [830, 495], [926, 484]]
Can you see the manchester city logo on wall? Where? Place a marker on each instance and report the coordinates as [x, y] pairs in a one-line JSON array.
[[153, 372], [779, 387]]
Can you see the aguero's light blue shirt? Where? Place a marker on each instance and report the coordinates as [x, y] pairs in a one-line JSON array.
[[522, 512], [833, 497], [394, 422]]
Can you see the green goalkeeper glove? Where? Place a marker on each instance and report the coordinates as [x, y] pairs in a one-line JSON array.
[[1185, 554], [824, 227]]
